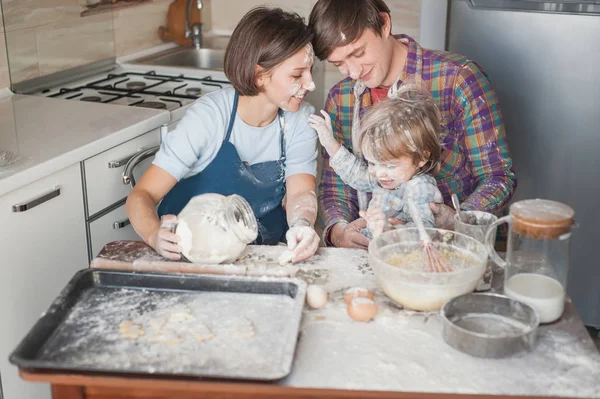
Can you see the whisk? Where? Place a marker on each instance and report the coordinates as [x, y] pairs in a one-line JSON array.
[[435, 262]]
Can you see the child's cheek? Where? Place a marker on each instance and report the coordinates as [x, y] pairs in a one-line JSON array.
[[399, 174]]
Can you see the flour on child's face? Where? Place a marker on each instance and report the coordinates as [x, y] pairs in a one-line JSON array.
[[393, 173]]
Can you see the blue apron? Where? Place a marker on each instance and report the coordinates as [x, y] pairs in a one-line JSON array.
[[261, 184]]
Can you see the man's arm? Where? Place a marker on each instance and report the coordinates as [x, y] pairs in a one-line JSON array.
[[479, 121], [337, 201]]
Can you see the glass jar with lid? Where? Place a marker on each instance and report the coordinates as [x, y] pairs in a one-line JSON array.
[[214, 228], [537, 255]]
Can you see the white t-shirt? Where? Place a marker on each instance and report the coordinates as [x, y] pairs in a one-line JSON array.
[[196, 140]]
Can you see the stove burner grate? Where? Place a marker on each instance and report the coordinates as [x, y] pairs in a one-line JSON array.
[[152, 104], [193, 91], [135, 85], [93, 99]]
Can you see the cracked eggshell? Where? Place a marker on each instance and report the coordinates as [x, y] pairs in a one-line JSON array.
[[362, 309]]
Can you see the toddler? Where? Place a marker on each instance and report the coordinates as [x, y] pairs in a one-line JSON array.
[[399, 139]]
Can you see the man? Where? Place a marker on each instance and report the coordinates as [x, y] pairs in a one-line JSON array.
[[355, 36]]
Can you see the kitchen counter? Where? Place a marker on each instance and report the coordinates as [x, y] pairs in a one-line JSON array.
[[50, 134], [398, 353]]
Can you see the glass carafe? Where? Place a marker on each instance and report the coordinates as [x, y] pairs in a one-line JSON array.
[[537, 255], [214, 228]]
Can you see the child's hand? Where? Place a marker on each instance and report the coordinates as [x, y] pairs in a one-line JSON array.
[[376, 220], [325, 132]]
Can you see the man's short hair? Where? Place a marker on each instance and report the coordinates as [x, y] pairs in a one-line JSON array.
[[265, 37], [336, 23]]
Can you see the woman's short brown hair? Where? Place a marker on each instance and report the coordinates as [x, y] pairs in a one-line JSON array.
[[406, 125], [265, 37], [336, 23]]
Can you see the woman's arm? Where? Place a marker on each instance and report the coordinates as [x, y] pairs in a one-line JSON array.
[[301, 202], [141, 210], [301, 209]]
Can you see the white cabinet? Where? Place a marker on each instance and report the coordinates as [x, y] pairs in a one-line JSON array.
[[113, 226], [105, 193], [103, 183], [41, 248]]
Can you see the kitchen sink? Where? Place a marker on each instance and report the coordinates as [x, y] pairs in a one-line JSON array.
[[202, 58]]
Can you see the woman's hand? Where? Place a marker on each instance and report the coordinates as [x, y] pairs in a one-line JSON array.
[[302, 241], [165, 241], [325, 132], [376, 220]]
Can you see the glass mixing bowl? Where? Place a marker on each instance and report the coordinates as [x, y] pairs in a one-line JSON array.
[[397, 260]]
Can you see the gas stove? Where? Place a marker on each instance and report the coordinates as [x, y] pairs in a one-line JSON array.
[[141, 88]]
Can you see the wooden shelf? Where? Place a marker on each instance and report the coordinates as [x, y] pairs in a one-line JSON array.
[[108, 5]]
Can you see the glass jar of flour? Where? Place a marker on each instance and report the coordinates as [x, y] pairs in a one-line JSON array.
[[537, 255], [214, 228]]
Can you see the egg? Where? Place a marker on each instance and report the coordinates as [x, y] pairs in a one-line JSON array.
[[316, 296], [357, 292], [362, 309]]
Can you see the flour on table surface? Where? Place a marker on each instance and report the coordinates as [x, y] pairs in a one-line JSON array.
[[403, 350], [187, 333]]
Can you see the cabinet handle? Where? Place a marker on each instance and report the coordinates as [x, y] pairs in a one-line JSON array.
[[119, 163], [127, 175], [25, 206], [120, 225]]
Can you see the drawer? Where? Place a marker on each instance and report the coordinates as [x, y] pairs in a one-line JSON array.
[[103, 172], [113, 226]]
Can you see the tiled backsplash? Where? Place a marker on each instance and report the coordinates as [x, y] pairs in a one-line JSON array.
[[46, 36]]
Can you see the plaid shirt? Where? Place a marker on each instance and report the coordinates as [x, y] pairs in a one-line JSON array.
[[475, 160]]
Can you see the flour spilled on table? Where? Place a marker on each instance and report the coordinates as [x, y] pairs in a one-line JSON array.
[[403, 350], [230, 333]]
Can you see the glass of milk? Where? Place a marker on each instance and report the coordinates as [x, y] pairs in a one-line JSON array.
[[537, 255], [475, 224]]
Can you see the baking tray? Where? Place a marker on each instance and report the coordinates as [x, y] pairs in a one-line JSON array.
[[91, 326]]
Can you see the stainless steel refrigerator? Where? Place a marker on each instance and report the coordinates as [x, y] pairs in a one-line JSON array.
[[543, 58]]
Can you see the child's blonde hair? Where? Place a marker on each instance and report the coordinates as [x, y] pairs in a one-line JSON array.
[[406, 125]]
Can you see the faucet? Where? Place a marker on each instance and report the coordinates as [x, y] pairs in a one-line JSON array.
[[195, 31]]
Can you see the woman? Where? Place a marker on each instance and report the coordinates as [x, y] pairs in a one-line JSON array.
[[253, 140]]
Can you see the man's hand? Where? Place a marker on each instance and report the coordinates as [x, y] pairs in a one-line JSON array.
[[325, 132], [443, 214], [348, 235]]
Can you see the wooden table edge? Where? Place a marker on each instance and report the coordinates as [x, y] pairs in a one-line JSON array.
[[107, 384]]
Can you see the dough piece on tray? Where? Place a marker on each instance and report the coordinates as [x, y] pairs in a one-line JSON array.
[[200, 331], [238, 327], [175, 325], [168, 336], [130, 329]]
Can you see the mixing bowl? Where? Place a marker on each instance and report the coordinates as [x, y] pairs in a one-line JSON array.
[[397, 260]]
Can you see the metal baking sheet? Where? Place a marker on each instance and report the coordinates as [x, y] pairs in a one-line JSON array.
[[193, 325]]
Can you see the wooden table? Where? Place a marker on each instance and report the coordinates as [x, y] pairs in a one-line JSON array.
[[400, 354]]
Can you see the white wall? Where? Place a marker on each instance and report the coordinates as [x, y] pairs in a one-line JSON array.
[[432, 24]]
